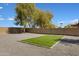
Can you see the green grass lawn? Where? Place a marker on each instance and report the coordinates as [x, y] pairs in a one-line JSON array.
[[43, 41]]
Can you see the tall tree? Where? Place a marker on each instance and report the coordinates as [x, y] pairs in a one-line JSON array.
[[43, 19], [27, 13], [24, 13]]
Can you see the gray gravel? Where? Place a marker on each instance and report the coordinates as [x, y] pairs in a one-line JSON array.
[[9, 46]]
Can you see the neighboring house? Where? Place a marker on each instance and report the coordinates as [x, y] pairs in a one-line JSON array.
[[75, 25], [72, 26]]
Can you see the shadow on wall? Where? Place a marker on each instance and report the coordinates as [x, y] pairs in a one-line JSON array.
[[15, 30]]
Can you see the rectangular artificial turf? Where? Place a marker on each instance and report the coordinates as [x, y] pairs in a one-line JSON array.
[[43, 41]]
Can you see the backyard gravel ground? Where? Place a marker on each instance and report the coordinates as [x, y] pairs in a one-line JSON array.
[[10, 46]]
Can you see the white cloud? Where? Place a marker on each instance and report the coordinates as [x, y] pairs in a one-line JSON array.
[[1, 7], [75, 21], [10, 19], [2, 19], [61, 21]]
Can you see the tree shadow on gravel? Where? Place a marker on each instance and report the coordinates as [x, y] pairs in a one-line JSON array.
[[71, 41]]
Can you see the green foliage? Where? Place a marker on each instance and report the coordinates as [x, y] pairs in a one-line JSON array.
[[24, 13], [69, 26], [42, 19], [27, 13]]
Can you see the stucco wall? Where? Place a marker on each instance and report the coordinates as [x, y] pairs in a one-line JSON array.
[[3, 30], [10, 30]]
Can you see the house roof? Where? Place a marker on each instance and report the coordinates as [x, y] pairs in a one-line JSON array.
[[75, 24]]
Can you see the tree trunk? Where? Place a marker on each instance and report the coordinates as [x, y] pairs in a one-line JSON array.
[[24, 28]]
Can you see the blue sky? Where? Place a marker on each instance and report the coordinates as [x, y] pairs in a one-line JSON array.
[[63, 13]]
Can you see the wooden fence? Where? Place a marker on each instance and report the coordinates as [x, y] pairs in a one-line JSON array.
[[59, 31]]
